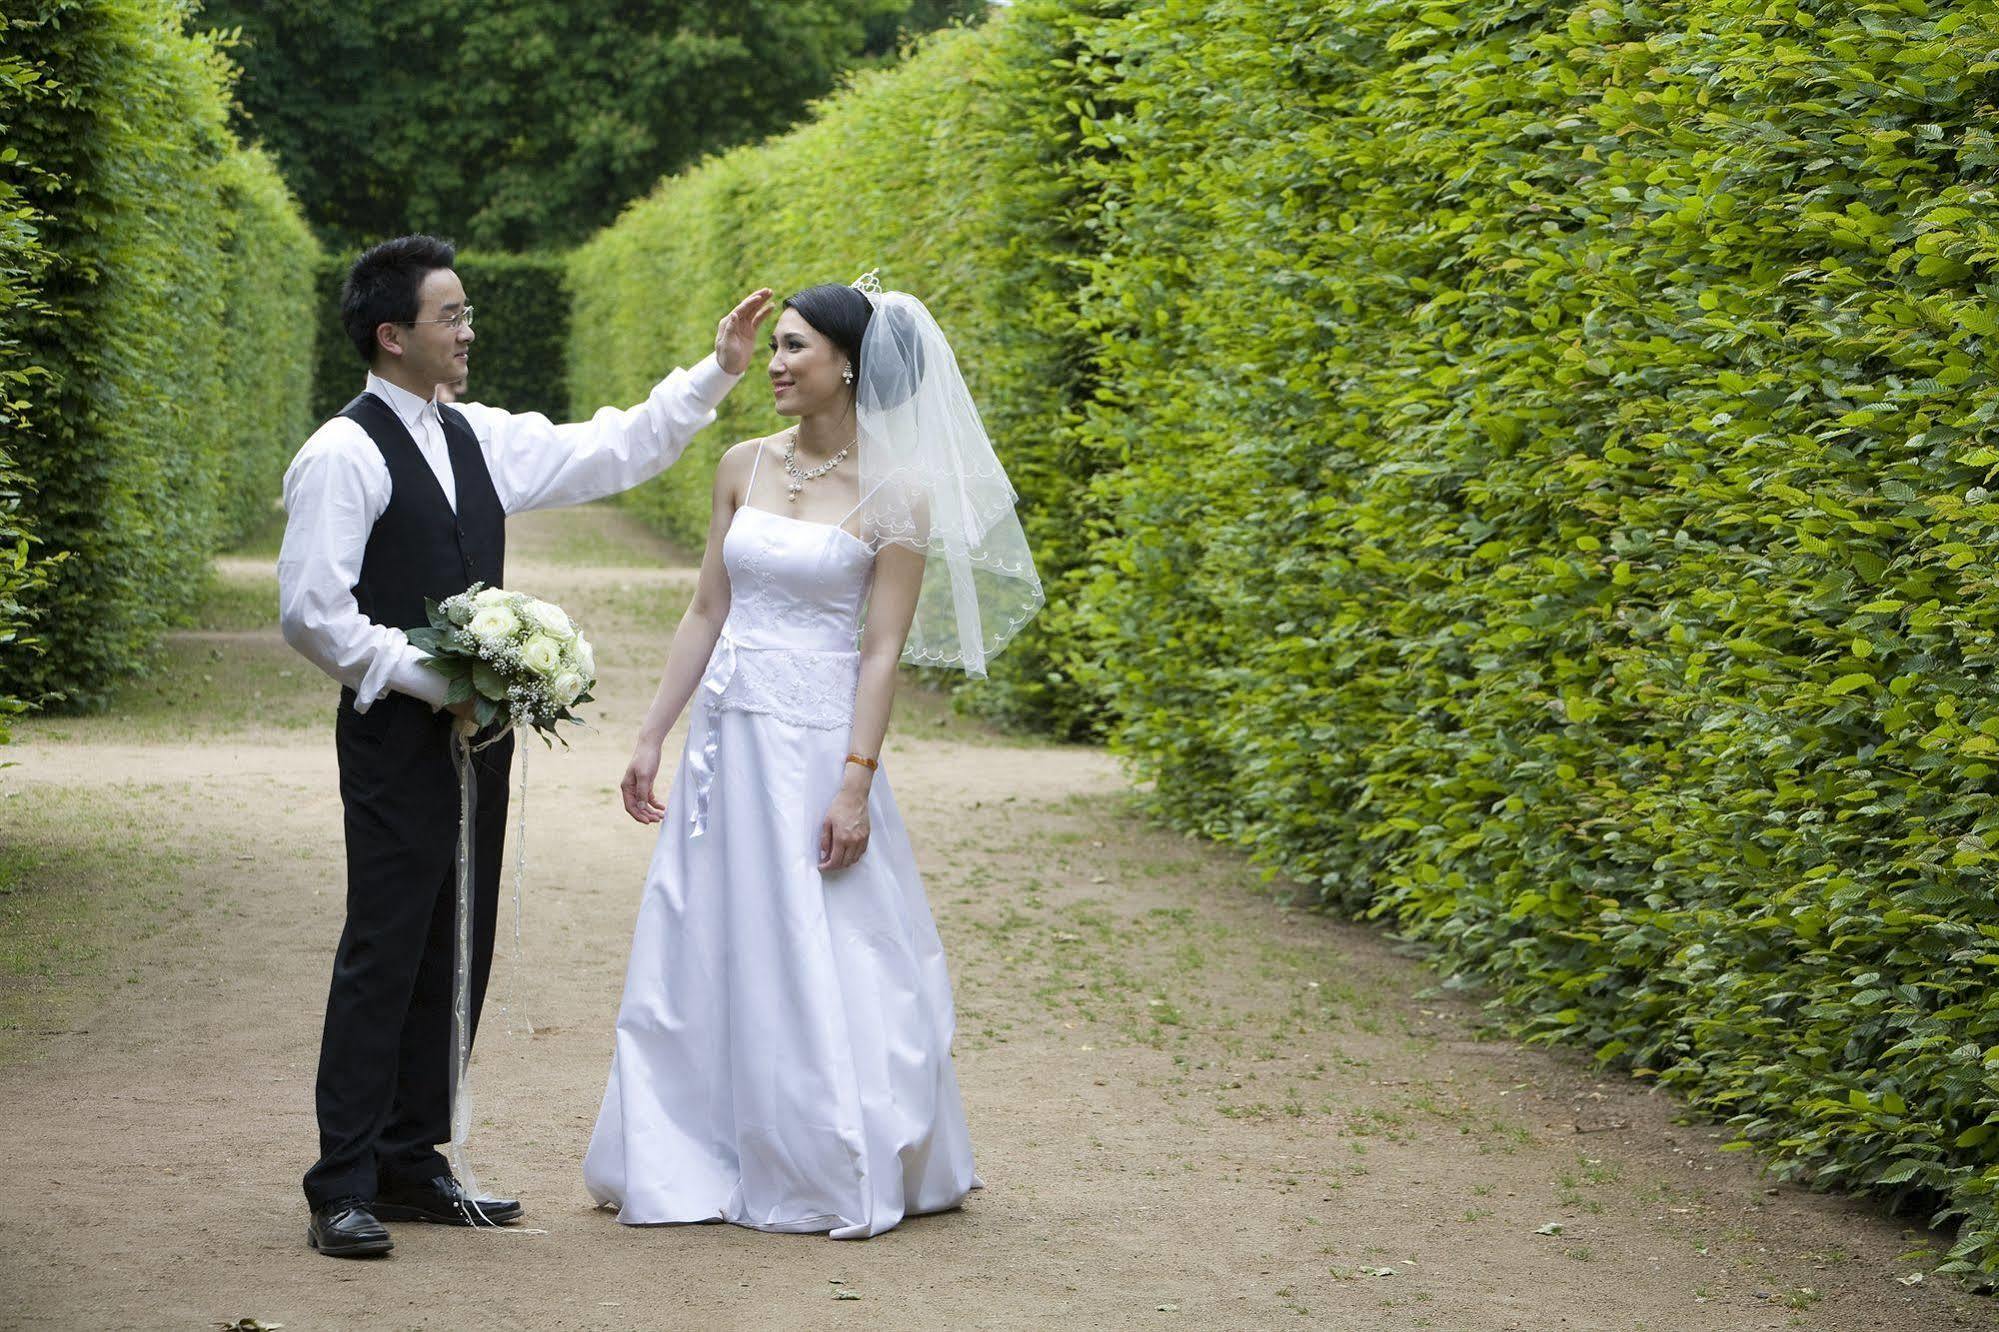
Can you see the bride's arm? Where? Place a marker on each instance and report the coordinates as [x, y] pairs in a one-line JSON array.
[[693, 641], [843, 835]]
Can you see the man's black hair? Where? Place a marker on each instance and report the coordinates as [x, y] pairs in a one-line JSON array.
[[383, 285]]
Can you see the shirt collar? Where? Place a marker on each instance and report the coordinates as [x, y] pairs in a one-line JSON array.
[[408, 407]]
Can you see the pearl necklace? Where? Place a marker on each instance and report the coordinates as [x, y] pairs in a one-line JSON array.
[[797, 478]]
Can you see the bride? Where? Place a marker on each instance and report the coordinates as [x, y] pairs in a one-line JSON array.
[[783, 1049]]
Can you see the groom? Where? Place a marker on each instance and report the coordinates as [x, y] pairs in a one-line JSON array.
[[397, 499]]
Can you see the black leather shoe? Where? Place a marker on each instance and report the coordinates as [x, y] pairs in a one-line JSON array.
[[345, 1228], [443, 1201]]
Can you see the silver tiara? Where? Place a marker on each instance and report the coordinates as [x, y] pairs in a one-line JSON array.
[[867, 283]]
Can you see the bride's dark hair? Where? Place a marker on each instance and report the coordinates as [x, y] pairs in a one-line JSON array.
[[840, 314]]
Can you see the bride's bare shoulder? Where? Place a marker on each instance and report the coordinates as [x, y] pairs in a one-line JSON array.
[[738, 458], [738, 463], [744, 452]]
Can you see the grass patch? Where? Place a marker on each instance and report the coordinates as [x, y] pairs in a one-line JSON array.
[[203, 684], [237, 598], [924, 711], [228, 671], [82, 875], [264, 541], [600, 535]]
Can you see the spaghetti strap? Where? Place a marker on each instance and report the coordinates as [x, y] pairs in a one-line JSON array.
[[862, 500], [755, 463]]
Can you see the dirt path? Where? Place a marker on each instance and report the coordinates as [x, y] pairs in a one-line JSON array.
[[1192, 1107]]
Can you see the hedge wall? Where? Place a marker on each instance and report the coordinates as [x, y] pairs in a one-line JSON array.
[[1588, 409], [521, 317], [24, 569], [1522, 471], [176, 268], [263, 410]]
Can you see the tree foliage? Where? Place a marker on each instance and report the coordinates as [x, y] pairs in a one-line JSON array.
[[524, 126], [1525, 471]]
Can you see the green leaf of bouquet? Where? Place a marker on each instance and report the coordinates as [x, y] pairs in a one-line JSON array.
[[489, 681], [459, 690], [485, 712]]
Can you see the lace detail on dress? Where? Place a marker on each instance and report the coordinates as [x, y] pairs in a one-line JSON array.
[[801, 687]]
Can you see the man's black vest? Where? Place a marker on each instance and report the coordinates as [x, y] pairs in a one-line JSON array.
[[419, 547]]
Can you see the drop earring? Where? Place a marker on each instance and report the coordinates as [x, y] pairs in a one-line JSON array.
[[848, 374]]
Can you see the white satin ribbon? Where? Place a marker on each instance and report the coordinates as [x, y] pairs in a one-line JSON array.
[[461, 982], [701, 759]]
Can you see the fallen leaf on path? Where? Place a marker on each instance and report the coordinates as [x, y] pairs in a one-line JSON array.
[[845, 1295], [1552, 1228], [1169, 1308], [1913, 1279], [1377, 1271]]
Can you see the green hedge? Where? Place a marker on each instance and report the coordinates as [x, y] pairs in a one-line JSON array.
[[522, 323], [1588, 412], [264, 405], [174, 273], [1522, 471], [24, 569]]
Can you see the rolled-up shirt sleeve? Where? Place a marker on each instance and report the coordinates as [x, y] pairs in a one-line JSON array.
[[332, 498], [536, 464]]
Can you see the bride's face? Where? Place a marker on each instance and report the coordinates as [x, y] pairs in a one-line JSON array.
[[805, 368]]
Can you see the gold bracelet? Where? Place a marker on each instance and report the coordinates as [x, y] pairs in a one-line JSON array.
[[868, 763]]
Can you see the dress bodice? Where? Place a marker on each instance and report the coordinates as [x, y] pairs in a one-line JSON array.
[[789, 648], [794, 584]]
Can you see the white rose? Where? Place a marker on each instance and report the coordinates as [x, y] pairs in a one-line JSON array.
[[542, 654], [552, 619], [585, 659], [492, 596], [494, 624], [567, 687]]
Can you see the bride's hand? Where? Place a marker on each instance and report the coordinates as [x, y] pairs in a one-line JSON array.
[[637, 788], [843, 835]]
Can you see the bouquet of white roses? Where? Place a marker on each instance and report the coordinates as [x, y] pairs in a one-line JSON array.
[[512, 656]]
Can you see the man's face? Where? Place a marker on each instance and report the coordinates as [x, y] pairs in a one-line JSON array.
[[433, 352]]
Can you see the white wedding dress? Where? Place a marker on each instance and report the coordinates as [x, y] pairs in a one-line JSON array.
[[783, 1050]]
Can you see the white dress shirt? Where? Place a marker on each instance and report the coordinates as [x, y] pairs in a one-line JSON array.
[[338, 486]]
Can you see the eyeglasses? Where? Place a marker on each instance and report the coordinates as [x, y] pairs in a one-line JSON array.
[[463, 319]]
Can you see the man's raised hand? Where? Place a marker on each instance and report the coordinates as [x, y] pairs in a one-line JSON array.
[[736, 335]]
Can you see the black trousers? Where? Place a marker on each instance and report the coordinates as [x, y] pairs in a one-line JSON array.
[[384, 1088]]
